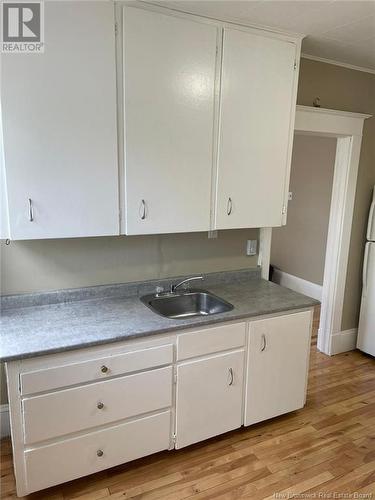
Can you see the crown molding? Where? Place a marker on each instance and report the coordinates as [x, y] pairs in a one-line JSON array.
[[328, 111], [338, 63]]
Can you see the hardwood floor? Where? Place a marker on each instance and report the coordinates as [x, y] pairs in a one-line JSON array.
[[326, 448]]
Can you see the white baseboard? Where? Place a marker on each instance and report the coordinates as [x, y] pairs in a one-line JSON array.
[[4, 421], [297, 284], [344, 341]]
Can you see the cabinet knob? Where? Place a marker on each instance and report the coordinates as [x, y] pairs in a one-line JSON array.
[[100, 405], [104, 369], [229, 206], [100, 453]]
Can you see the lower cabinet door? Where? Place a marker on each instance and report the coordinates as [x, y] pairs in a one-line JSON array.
[[82, 455], [277, 365], [209, 397]]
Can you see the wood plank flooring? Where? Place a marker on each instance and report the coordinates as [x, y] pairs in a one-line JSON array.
[[326, 448]]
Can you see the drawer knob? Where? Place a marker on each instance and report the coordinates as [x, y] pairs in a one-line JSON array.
[[100, 453], [100, 405], [104, 369]]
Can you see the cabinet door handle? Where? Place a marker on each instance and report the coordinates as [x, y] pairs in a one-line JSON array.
[[31, 211], [229, 206], [264, 343], [100, 453], [231, 376], [142, 210], [104, 369], [100, 405]]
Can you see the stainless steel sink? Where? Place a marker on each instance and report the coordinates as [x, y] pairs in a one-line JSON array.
[[186, 304]]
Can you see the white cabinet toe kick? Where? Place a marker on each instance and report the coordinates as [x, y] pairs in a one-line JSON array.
[[79, 412]]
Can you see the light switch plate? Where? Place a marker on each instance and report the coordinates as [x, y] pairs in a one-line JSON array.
[[251, 247]]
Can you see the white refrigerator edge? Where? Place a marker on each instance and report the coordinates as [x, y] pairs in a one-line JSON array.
[[366, 327]]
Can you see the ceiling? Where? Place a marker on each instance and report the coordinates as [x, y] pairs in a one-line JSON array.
[[338, 30]]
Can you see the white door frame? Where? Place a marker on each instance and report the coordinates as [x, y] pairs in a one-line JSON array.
[[347, 128]]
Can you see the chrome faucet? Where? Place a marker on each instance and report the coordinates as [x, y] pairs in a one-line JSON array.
[[174, 287]]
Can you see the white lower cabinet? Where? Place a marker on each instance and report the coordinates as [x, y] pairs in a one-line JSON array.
[[277, 365], [72, 372], [79, 412], [76, 413], [96, 404], [209, 397], [72, 458]]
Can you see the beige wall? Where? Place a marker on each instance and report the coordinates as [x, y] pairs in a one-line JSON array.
[[348, 90], [29, 266], [299, 247]]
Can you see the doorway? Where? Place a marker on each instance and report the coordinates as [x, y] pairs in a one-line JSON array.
[[298, 249]]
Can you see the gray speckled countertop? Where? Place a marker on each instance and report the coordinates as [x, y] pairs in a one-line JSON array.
[[34, 330]]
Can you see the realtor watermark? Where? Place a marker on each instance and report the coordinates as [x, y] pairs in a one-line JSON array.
[[324, 495], [22, 27]]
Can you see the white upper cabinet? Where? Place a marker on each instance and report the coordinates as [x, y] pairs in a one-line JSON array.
[[256, 126], [169, 85], [205, 112], [59, 127]]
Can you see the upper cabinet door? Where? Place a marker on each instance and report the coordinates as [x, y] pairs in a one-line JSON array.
[[59, 127], [257, 110], [169, 80]]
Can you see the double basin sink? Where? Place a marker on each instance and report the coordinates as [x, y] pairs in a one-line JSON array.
[[186, 304]]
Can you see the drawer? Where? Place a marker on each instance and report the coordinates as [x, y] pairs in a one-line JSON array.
[[211, 340], [79, 408], [95, 369], [76, 457]]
